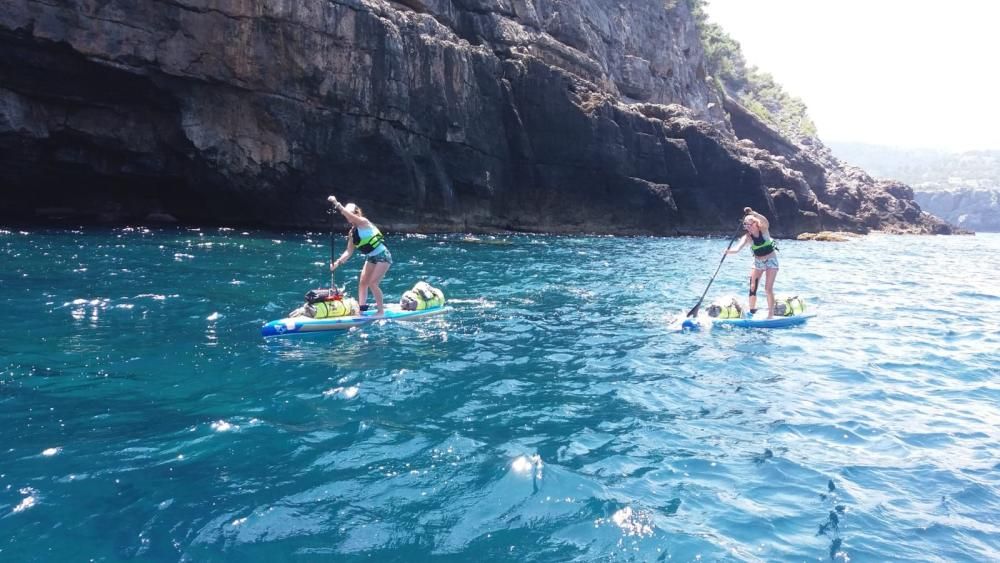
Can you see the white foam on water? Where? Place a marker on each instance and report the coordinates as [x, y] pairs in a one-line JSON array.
[[524, 465], [223, 426], [632, 522], [342, 392], [31, 499], [521, 465]]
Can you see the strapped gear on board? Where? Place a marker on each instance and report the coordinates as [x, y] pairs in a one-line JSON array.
[[322, 294], [728, 308], [422, 296], [789, 306], [326, 303]]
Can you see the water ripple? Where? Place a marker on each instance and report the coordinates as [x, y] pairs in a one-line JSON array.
[[551, 416]]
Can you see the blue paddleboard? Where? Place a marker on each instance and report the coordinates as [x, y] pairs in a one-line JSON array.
[[305, 325], [760, 320]]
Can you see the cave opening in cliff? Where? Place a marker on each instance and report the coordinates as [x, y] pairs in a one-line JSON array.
[[81, 139]]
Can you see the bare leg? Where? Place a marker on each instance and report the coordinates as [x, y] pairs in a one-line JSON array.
[[754, 280], [375, 275], [769, 286], [363, 284]]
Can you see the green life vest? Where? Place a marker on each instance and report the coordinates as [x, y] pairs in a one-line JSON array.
[[368, 244], [761, 246]]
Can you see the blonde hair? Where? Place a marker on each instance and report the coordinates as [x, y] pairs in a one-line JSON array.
[[354, 208]]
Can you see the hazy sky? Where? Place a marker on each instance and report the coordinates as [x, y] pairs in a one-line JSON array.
[[909, 73]]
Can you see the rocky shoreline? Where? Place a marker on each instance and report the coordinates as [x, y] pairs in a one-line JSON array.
[[434, 115]]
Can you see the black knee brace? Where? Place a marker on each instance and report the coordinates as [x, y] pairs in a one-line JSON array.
[[753, 286]]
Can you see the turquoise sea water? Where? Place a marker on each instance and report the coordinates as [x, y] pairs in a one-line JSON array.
[[551, 416]]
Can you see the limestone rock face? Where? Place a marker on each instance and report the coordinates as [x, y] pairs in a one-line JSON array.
[[474, 115], [813, 190]]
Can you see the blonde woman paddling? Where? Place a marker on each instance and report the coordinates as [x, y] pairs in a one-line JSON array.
[[366, 238], [765, 257]]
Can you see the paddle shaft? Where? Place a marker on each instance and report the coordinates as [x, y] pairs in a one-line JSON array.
[[694, 310], [333, 219]]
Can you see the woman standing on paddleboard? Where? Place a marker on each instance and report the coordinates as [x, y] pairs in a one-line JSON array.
[[765, 257], [365, 237]]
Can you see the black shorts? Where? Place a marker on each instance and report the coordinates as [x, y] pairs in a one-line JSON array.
[[380, 257]]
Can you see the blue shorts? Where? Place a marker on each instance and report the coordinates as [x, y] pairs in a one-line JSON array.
[[769, 262], [380, 257]]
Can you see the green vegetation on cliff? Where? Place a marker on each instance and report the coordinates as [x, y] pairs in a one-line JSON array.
[[754, 89]]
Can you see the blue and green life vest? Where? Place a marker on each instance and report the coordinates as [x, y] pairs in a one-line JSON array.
[[369, 243]]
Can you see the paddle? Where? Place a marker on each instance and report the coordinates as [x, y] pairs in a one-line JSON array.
[[333, 258], [694, 310]]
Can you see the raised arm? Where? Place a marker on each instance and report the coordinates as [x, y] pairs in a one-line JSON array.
[[352, 217], [765, 225]]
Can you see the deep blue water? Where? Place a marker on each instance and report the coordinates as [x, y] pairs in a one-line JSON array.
[[551, 416]]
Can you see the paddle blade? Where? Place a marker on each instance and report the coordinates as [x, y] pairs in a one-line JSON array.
[[694, 310]]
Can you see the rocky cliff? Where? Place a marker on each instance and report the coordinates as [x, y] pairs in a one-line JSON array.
[[546, 115]]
